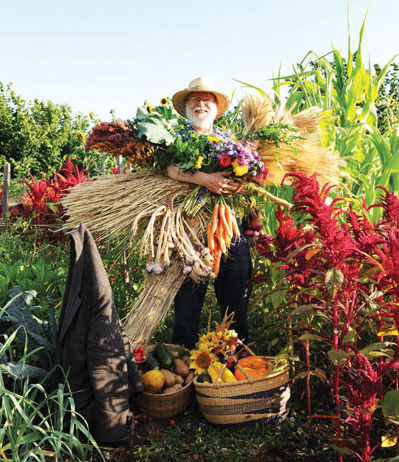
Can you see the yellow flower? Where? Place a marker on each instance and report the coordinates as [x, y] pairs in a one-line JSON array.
[[205, 338], [201, 359], [239, 170], [81, 136], [213, 139], [148, 109], [164, 101], [198, 164]]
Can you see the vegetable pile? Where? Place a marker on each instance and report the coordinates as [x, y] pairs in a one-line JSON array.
[[165, 371]]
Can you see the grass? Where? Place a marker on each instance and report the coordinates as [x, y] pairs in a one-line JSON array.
[[189, 437]]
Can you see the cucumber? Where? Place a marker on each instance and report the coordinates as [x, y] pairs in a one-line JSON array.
[[150, 363], [164, 356]]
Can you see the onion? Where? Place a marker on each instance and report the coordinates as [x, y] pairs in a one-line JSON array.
[[158, 269], [249, 232], [150, 266], [187, 269]]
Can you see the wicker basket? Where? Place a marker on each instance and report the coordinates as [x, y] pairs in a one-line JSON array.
[[263, 398], [166, 406]]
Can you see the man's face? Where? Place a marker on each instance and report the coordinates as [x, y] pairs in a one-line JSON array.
[[201, 108]]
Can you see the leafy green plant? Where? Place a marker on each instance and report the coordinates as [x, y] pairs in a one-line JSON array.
[[35, 424], [37, 336], [38, 276]]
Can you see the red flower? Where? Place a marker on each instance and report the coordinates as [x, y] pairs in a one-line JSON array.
[[225, 160]]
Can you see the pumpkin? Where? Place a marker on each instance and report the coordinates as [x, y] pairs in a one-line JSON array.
[[153, 381], [252, 361], [254, 366]]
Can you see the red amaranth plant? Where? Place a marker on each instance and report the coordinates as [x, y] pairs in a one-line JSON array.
[[346, 268], [42, 200]]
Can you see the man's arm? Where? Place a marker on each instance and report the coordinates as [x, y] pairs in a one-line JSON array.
[[216, 182]]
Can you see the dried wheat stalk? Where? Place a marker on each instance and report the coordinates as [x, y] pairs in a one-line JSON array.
[[305, 155], [124, 205]]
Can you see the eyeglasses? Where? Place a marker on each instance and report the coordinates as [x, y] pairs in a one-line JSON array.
[[205, 99]]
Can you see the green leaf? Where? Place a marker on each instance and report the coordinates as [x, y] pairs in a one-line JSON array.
[[390, 404], [376, 350], [333, 279], [337, 357], [350, 337], [153, 127], [310, 337]]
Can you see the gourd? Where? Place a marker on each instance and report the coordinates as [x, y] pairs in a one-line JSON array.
[[253, 372], [164, 356], [153, 381], [150, 363], [252, 361], [204, 377]]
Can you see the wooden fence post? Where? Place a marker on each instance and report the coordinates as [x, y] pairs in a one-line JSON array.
[[125, 256], [121, 165], [4, 199]]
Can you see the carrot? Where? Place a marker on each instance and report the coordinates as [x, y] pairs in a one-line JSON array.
[[235, 226], [222, 218], [216, 263], [227, 213], [222, 244], [215, 216], [226, 238], [211, 240]]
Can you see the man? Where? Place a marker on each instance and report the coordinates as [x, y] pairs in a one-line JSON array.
[[202, 105]]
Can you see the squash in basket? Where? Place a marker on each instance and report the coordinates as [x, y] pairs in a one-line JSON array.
[[252, 361], [254, 366], [153, 381]]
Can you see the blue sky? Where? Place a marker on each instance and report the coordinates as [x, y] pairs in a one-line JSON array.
[[102, 55]]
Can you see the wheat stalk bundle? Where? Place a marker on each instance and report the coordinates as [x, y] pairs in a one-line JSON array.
[[151, 205], [304, 154]]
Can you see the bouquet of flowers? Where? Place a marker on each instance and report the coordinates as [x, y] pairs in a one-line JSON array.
[[210, 153], [216, 357]]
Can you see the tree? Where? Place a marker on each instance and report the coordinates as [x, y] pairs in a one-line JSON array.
[[38, 136]]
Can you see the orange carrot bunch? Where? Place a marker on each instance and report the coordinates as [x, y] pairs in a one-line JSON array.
[[220, 233]]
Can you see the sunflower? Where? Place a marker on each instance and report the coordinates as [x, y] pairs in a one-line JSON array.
[[164, 101], [148, 108], [81, 136], [201, 359]]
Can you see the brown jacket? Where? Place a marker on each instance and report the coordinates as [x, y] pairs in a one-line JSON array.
[[92, 347]]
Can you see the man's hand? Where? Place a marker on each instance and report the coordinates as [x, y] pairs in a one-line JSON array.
[[217, 182]]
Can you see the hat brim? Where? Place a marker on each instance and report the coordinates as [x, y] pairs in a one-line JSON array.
[[179, 101]]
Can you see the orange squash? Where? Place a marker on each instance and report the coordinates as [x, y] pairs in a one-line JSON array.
[[252, 361], [254, 366]]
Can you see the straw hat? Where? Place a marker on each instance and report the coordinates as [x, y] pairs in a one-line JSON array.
[[200, 85]]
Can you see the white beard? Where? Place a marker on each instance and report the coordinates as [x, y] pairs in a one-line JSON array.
[[202, 121]]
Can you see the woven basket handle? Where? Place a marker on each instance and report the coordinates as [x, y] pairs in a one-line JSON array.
[[246, 348]]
